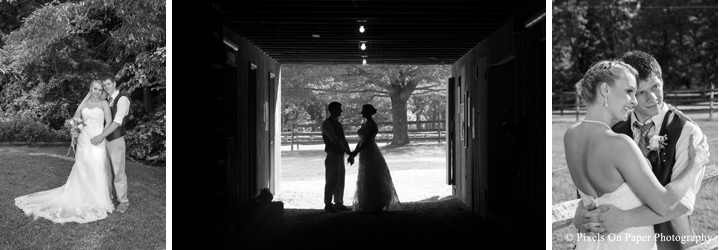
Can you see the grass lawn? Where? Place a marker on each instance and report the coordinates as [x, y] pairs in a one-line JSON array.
[[25, 170], [704, 219]]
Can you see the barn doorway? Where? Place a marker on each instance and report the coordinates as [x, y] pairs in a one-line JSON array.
[[418, 169]]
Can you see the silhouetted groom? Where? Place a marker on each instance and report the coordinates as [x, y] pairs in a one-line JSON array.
[[115, 135], [336, 146]]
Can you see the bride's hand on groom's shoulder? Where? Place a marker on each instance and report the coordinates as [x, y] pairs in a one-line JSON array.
[[699, 154]]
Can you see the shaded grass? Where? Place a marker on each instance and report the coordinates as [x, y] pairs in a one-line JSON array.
[[25, 170], [704, 218]]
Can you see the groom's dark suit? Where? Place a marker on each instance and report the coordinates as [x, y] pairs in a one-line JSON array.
[[662, 166], [334, 163]]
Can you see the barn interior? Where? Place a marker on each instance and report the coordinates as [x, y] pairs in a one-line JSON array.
[[227, 66]]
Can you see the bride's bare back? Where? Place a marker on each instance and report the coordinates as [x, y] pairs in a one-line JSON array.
[[588, 154]]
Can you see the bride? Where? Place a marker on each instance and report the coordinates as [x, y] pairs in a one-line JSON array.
[[85, 196], [375, 189], [608, 168]]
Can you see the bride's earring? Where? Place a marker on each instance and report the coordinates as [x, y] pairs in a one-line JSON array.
[[605, 102]]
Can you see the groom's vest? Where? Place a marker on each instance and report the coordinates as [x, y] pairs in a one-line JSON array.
[[662, 161], [339, 132], [662, 165], [120, 131]]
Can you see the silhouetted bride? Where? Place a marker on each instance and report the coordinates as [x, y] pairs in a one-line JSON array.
[[375, 189], [85, 196]]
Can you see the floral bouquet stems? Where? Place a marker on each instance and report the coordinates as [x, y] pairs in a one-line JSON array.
[[75, 124]]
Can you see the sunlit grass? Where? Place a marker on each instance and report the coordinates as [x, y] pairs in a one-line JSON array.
[[25, 170]]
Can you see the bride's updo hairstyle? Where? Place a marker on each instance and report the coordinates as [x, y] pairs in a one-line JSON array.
[[603, 71], [369, 109]]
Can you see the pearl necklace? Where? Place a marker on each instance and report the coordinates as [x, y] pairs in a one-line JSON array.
[[598, 122]]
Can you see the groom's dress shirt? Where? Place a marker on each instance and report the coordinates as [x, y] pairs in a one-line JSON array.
[[667, 165], [123, 107], [332, 130], [681, 150]]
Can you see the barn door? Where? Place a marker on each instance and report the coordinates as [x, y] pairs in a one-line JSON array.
[[450, 130], [252, 129], [270, 129], [480, 112]]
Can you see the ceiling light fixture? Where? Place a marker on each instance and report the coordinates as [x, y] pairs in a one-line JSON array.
[[363, 46], [361, 28], [230, 44], [364, 62]]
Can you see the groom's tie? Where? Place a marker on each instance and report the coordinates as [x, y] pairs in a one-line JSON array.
[[644, 133]]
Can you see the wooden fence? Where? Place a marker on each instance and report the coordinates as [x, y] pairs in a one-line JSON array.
[[567, 100], [422, 131], [563, 213]]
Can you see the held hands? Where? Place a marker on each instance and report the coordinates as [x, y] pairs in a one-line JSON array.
[[351, 159]]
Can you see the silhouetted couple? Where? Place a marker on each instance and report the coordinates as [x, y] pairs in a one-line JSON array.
[[375, 189]]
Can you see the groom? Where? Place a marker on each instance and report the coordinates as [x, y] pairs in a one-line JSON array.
[[115, 135], [336, 146], [652, 117]]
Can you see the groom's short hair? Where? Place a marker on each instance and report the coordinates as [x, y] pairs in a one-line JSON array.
[[106, 76], [645, 64], [333, 106]]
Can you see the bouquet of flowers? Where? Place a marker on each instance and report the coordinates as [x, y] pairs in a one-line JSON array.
[[75, 125]]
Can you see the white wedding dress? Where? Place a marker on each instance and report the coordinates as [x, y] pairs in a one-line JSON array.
[[85, 196], [375, 189], [630, 238]]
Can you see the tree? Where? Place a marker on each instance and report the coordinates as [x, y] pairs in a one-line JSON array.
[[354, 85], [62, 45], [682, 36], [399, 83]]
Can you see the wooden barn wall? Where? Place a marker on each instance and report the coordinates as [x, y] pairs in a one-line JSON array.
[[500, 166], [257, 95], [532, 64]]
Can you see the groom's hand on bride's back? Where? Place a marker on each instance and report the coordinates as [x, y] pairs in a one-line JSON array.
[[607, 219], [582, 217]]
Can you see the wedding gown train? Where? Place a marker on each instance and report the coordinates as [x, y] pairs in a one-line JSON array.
[[631, 238], [85, 196]]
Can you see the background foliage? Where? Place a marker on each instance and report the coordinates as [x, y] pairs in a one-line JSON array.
[[682, 35], [400, 93], [51, 50]]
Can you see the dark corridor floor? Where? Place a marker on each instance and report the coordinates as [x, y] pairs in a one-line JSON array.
[[417, 225]]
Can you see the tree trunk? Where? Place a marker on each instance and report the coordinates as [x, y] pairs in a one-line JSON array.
[[399, 121], [147, 100], [419, 119]]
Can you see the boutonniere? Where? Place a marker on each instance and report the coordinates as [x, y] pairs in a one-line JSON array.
[[657, 142]]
